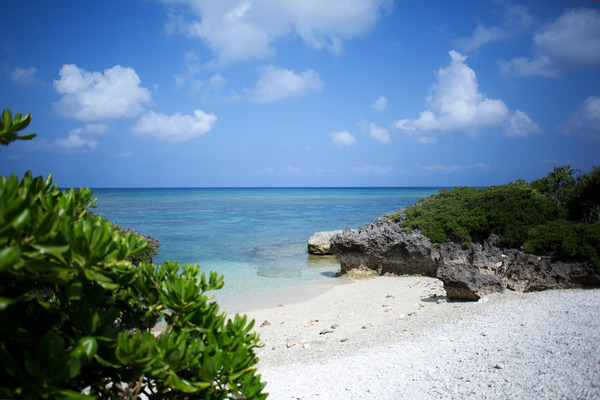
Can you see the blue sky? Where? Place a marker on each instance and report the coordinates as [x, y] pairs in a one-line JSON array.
[[200, 93]]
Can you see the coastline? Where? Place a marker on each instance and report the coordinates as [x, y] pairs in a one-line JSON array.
[[399, 337]]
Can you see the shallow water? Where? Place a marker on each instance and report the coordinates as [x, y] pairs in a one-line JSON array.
[[256, 238]]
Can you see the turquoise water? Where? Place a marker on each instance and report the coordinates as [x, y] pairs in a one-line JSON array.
[[256, 238]]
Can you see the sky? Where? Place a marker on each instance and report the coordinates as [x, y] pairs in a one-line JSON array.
[[311, 93]]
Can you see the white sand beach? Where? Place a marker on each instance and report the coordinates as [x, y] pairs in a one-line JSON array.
[[399, 338]]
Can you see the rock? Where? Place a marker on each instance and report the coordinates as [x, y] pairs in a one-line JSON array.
[[462, 282], [382, 247], [467, 272], [265, 323], [499, 366], [319, 243]]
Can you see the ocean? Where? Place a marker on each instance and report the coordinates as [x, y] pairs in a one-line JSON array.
[[255, 237]]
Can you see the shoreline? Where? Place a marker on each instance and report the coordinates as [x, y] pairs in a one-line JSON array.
[[400, 337]]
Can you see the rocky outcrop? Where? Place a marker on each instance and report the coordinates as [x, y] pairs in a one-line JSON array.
[[468, 272], [320, 242], [382, 247]]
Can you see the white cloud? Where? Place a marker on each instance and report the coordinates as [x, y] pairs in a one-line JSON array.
[[377, 170], [94, 96], [380, 104], [343, 138], [585, 122], [278, 83], [572, 41], [82, 138], [378, 133], [448, 169], [295, 170], [24, 76], [440, 168], [455, 104], [520, 125], [238, 30], [174, 128], [516, 19]]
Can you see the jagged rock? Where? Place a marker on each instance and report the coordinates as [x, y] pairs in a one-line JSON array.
[[467, 272], [462, 282], [320, 242], [382, 247]]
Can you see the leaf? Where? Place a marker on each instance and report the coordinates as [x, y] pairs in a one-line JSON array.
[[54, 250], [9, 256], [5, 302], [87, 346], [102, 280], [65, 394]]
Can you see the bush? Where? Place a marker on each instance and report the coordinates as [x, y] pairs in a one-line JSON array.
[[507, 210], [77, 315], [532, 216], [568, 240]]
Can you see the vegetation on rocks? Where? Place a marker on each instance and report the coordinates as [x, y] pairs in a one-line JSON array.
[[77, 314], [558, 214]]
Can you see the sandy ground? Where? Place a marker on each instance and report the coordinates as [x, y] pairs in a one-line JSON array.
[[400, 338]]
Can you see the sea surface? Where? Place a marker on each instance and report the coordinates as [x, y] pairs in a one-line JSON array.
[[256, 238]]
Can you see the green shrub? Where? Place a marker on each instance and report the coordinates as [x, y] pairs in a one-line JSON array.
[[584, 204], [9, 127], [566, 239], [534, 216], [77, 315], [507, 210]]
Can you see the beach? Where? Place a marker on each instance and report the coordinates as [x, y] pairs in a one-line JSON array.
[[401, 338]]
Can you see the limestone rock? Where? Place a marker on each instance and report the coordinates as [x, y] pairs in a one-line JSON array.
[[467, 272], [383, 247], [319, 243]]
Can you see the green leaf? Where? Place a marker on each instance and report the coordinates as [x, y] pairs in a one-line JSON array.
[[9, 256], [53, 250], [5, 302], [102, 280], [87, 347], [65, 394]]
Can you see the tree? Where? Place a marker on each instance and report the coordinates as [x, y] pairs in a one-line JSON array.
[[77, 316]]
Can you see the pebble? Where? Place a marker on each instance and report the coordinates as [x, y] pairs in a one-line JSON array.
[[499, 366], [265, 323]]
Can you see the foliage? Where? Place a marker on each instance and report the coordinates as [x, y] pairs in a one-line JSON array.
[[507, 210], [558, 184], [77, 315], [9, 127], [584, 204], [558, 214], [566, 239]]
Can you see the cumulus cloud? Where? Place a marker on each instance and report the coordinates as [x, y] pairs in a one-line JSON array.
[[572, 41], [380, 104], [24, 76], [378, 133], [174, 128], [456, 104], [343, 138], [95, 96], [82, 138], [585, 122], [238, 30], [279, 83]]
